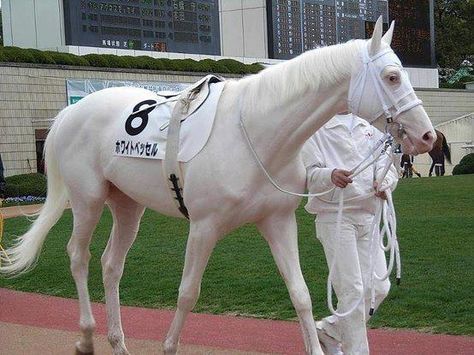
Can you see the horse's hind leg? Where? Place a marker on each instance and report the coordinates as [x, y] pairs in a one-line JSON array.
[[280, 231], [126, 215], [201, 241], [87, 203]]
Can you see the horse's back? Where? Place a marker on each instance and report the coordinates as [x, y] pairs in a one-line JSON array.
[[97, 111], [86, 128]]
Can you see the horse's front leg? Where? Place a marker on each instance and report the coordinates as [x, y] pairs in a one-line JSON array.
[[280, 231], [126, 214], [201, 241]]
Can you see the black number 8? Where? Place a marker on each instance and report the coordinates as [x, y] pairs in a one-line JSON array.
[[133, 131]]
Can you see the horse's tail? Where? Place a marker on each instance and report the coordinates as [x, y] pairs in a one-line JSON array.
[[446, 151], [23, 254]]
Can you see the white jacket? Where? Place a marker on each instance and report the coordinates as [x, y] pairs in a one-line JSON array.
[[336, 146]]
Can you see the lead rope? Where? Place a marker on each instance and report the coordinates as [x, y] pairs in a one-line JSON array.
[[387, 139], [356, 170], [385, 212]]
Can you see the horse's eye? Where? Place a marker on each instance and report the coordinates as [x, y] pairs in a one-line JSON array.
[[393, 79]]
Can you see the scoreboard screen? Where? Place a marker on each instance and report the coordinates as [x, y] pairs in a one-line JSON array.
[[284, 29], [181, 26], [413, 39], [296, 26]]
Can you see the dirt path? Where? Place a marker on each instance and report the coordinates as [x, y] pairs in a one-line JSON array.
[[28, 320], [32, 323], [15, 211]]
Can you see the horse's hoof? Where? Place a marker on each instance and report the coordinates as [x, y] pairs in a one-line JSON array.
[[169, 348], [83, 352], [78, 352]]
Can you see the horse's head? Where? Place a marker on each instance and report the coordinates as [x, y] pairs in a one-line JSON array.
[[380, 92]]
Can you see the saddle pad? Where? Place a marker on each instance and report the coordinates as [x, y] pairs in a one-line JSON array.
[[143, 134]]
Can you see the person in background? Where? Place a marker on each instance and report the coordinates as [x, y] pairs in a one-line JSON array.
[[3, 183], [407, 166], [328, 155]]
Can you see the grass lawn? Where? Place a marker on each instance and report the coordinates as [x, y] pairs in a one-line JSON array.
[[436, 224]]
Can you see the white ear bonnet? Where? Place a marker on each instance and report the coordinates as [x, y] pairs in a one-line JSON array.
[[368, 82]]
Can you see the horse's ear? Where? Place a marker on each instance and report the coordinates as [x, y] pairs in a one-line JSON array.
[[387, 37], [376, 39]]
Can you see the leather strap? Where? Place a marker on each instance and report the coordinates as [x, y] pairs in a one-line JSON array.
[[189, 101], [171, 165]]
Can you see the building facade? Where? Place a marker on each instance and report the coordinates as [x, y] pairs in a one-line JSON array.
[[246, 30], [32, 95]]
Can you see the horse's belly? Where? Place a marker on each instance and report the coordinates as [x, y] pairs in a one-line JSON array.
[[143, 181]]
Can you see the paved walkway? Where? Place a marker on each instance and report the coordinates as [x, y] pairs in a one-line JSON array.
[[14, 211], [38, 324], [32, 323]]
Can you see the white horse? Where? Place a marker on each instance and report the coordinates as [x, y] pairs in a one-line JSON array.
[[224, 188]]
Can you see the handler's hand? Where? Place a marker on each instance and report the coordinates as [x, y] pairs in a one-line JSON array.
[[340, 177], [380, 194]]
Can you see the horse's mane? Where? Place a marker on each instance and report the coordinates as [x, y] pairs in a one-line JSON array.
[[308, 72]]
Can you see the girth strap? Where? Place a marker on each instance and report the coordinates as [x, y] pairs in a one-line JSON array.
[[171, 165], [189, 101]]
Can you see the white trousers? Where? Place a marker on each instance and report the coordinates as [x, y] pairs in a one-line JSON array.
[[350, 278]]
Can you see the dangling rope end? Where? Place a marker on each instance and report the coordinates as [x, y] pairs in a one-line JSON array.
[[2, 251]]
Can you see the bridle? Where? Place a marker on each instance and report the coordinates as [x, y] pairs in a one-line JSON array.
[[385, 211], [356, 90], [389, 99]]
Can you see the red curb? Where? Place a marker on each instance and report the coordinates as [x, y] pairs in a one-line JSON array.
[[406, 342], [245, 334]]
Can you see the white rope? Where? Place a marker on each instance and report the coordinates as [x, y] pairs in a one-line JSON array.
[[395, 239], [355, 171], [333, 265], [385, 212], [389, 227]]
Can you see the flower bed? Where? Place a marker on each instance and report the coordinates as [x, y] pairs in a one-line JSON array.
[[23, 200]]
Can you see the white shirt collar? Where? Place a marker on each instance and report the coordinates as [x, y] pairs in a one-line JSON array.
[[339, 120]]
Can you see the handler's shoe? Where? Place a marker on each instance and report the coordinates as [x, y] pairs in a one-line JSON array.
[[329, 345]]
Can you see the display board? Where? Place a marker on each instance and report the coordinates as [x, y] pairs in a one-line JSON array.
[[413, 39], [295, 26], [181, 26]]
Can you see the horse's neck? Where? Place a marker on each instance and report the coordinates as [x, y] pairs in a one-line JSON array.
[[283, 106]]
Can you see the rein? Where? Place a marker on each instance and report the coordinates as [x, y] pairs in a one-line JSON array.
[[355, 171], [385, 212]]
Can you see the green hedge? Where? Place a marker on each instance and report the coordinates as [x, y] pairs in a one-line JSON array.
[[26, 185], [465, 166], [223, 66]]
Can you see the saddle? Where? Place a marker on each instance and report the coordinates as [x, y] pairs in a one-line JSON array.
[[187, 102], [193, 96], [141, 131]]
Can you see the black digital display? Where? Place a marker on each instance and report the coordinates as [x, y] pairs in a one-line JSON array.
[[413, 39], [181, 26], [298, 25]]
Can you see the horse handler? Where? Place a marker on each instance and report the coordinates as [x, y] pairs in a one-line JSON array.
[[328, 155]]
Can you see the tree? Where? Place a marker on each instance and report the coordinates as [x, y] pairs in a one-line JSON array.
[[1, 28], [454, 32]]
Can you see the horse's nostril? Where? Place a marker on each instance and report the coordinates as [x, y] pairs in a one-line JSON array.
[[428, 136]]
